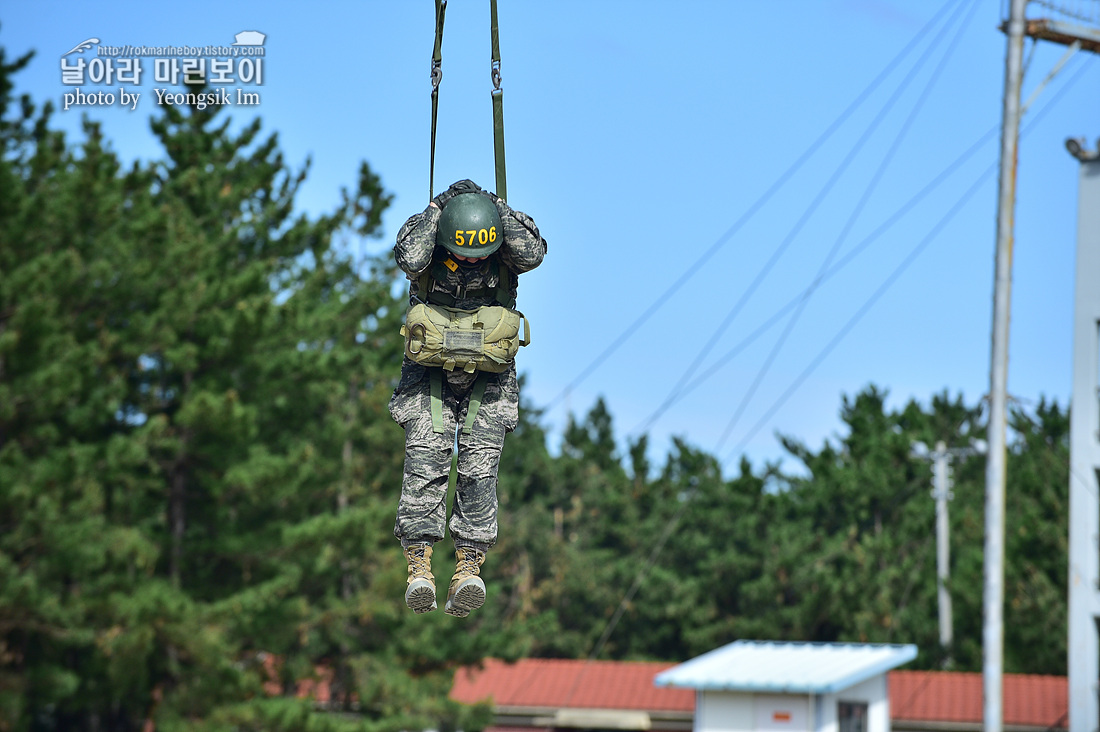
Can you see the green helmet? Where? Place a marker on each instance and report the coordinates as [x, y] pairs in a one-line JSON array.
[[470, 226]]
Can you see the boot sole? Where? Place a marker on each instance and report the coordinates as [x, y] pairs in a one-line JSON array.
[[420, 597], [469, 596]]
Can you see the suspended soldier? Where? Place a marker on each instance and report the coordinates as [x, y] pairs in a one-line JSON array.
[[462, 255]]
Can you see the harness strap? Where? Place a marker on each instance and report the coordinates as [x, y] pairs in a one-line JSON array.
[[502, 293], [498, 106], [477, 394], [496, 94], [504, 288], [436, 379], [437, 76], [448, 301]]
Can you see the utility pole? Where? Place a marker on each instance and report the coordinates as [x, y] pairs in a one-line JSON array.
[[1078, 27], [941, 459], [941, 491], [1084, 455], [993, 596]]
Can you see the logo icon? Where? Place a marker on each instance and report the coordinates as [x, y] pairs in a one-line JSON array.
[[80, 47], [249, 38]]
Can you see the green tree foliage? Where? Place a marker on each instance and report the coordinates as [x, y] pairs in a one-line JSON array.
[[842, 551]]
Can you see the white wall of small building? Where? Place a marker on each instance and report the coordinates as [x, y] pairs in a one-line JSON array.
[[872, 692], [729, 711], [724, 711]]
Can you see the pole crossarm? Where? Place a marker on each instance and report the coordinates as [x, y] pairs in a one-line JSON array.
[[1059, 31]]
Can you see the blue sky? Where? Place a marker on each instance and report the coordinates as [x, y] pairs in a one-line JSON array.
[[638, 135]]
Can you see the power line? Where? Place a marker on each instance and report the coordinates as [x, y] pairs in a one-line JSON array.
[[898, 271], [822, 193], [864, 309], [856, 212], [844, 261], [749, 213]]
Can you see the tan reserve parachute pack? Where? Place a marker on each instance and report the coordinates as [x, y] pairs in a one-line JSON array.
[[485, 339]]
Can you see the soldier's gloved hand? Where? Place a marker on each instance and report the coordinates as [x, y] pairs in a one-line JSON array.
[[462, 186]]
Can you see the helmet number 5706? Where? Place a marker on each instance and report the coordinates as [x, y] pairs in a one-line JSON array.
[[475, 236]]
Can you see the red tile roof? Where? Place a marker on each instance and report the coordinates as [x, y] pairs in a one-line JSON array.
[[945, 696], [915, 696], [538, 682]]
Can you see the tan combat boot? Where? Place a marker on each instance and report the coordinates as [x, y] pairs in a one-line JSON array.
[[420, 596], [467, 591]]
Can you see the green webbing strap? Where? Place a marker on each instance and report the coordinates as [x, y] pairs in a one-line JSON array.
[[502, 293], [424, 285], [437, 76], [498, 107], [504, 287], [476, 396], [496, 40], [436, 377]]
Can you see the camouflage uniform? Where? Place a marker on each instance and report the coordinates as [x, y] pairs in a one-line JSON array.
[[422, 512]]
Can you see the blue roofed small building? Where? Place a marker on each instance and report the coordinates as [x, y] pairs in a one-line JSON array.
[[768, 686]]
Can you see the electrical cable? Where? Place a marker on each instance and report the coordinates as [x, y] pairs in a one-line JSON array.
[[822, 193], [696, 266], [888, 283], [844, 261], [884, 165], [674, 394], [866, 307]]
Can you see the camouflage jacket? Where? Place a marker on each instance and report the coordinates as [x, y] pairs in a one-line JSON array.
[[521, 251]]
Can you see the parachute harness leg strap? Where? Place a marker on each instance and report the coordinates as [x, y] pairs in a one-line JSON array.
[[498, 105], [436, 398], [437, 76], [476, 397]]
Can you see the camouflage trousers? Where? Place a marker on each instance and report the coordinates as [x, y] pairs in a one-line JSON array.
[[422, 510]]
